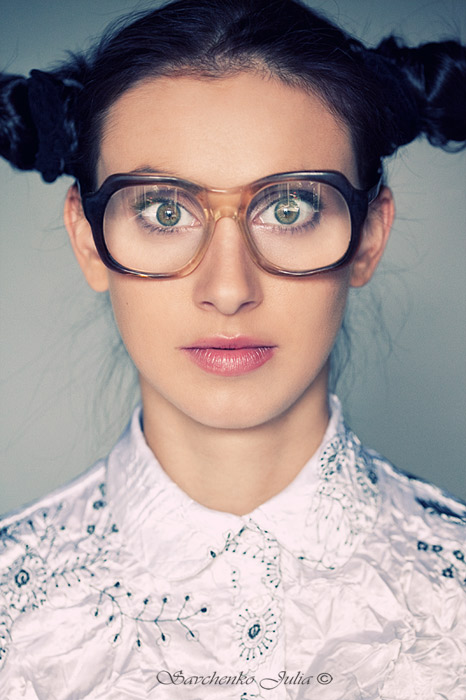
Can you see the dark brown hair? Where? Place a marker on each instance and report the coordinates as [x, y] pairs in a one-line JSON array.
[[387, 96]]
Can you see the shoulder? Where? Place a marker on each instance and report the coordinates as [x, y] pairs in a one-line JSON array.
[[423, 517], [45, 547], [57, 521], [64, 517], [423, 498], [58, 505]]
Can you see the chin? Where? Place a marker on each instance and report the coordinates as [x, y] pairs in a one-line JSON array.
[[239, 412], [229, 418]]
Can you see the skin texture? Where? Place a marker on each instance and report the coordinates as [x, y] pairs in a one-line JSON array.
[[230, 442]]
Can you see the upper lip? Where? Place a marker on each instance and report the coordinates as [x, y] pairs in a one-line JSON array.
[[228, 343]]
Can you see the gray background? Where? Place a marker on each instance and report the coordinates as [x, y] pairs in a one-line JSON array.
[[62, 406]]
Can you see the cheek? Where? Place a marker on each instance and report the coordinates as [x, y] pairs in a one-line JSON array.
[[128, 305], [141, 312], [318, 307], [334, 310]]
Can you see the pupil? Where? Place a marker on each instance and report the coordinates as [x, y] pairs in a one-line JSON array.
[[287, 212], [168, 214]]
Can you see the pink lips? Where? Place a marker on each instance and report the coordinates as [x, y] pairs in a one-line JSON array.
[[229, 357]]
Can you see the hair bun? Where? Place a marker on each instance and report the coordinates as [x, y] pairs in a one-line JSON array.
[[18, 135], [37, 123], [52, 101], [435, 74]]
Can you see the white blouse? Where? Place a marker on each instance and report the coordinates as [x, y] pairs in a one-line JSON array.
[[348, 585]]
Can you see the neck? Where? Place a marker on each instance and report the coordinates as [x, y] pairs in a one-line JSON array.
[[235, 470]]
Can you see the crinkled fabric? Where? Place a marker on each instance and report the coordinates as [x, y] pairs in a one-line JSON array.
[[348, 585]]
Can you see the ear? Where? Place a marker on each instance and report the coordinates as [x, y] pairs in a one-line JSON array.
[[82, 242], [374, 237]]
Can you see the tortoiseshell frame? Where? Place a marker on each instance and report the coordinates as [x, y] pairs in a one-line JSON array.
[[358, 201]]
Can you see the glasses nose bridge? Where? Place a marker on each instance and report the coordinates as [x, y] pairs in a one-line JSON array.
[[225, 204], [230, 204]]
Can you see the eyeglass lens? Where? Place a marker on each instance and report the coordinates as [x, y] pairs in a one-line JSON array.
[[294, 225]]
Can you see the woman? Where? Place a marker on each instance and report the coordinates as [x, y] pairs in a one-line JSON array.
[[229, 193]]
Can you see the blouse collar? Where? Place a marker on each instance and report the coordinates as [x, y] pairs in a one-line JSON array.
[[320, 517]]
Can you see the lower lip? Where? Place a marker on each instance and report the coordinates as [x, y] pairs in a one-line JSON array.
[[230, 363]]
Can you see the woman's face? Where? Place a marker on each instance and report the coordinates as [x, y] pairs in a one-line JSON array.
[[226, 133]]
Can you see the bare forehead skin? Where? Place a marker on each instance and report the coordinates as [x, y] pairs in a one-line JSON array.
[[223, 132]]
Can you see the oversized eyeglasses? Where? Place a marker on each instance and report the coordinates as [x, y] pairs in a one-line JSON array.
[[297, 223]]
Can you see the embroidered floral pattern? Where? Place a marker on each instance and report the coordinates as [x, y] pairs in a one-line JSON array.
[[451, 563], [25, 582], [345, 504], [28, 581], [261, 547], [158, 612], [256, 633], [257, 622], [31, 578]]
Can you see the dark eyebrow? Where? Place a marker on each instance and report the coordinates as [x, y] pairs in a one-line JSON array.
[[147, 169]]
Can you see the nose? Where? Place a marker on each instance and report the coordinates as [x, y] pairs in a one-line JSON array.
[[227, 280]]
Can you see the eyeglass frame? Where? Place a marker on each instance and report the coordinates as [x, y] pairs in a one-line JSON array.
[[358, 201]]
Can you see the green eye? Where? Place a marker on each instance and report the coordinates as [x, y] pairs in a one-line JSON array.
[[168, 214], [287, 211]]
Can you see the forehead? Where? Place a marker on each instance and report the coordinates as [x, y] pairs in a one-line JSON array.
[[223, 132]]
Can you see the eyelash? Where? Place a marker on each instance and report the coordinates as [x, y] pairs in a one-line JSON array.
[[144, 203], [294, 229]]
